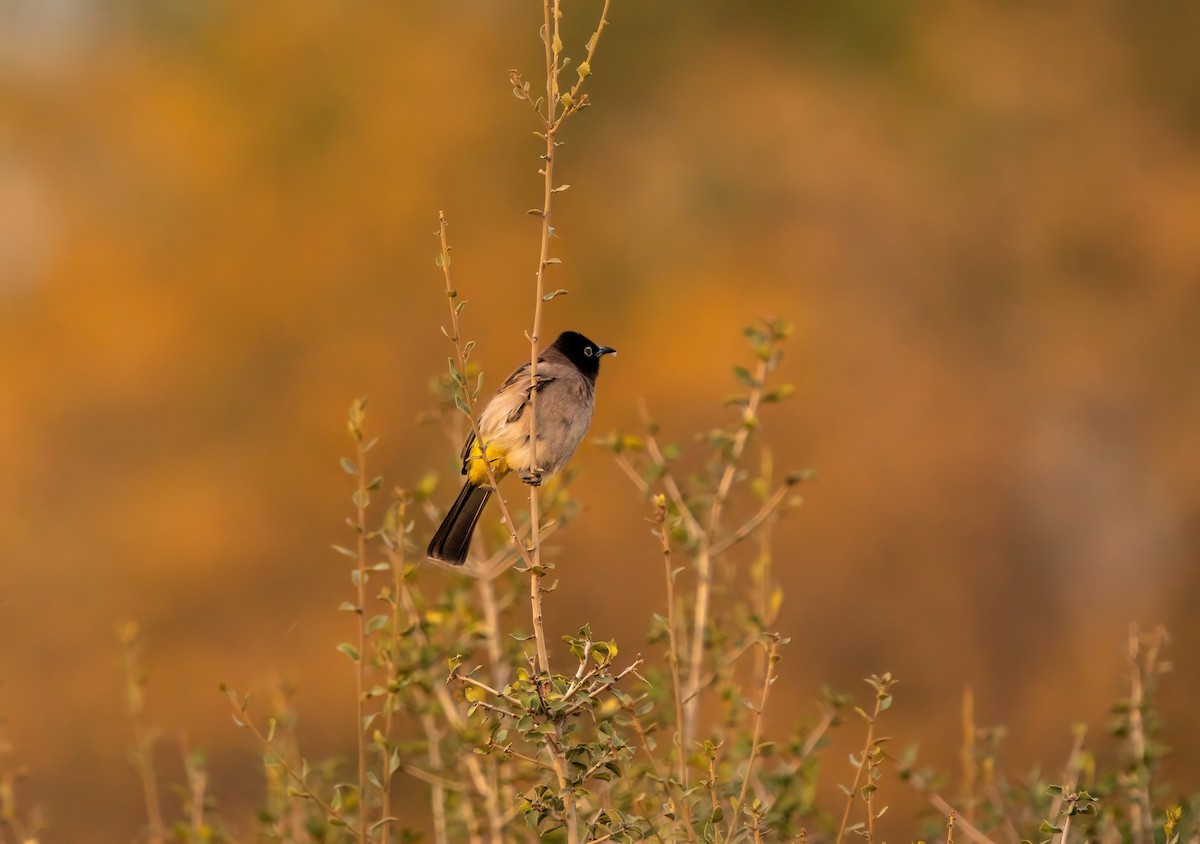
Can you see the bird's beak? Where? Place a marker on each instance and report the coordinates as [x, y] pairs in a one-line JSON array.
[[605, 350]]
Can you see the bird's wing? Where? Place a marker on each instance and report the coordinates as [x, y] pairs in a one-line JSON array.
[[509, 402]]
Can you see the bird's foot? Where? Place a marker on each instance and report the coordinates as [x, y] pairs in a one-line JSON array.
[[531, 477]]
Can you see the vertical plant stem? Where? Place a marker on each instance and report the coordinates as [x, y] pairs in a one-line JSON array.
[[1066, 827], [704, 556], [550, 36], [437, 792], [143, 735], [197, 784], [862, 766], [1141, 671], [551, 120], [660, 518], [454, 717], [360, 505], [967, 755], [491, 615], [499, 776], [1071, 778], [756, 742], [391, 699], [712, 795], [967, 827]]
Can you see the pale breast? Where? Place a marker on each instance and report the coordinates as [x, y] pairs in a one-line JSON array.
[[564, 412]]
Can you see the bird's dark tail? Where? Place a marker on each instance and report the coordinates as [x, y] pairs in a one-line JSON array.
[[453, 539]]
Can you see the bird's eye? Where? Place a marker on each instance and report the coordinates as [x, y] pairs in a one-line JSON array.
[[588, 351]]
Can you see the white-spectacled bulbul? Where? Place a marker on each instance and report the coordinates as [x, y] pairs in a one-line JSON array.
[[566, 394]]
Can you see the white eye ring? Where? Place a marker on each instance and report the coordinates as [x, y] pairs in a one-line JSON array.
[[588, 351]]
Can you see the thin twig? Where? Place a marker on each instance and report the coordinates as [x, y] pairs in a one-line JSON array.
[[468, 396], [143, 735], [508, 749], [768, 681], [241, 719], [679, 800], [391, 700], [969, 829], [660, 519], [712, 794], [596, 687], [704, 555], [360, 508], [817, 732], [432, 779], [437, 791], [471, 681], [552, 121], [1071, 783], [695, 531], [454, 717], [862, 766], [970, 766], [1141, 676], [1066, 827], [769, 506], [632, 474]]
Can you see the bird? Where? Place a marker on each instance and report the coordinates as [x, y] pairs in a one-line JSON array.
[[566, 395]]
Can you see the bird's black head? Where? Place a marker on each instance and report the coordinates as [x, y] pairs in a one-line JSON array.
[[582, 352]]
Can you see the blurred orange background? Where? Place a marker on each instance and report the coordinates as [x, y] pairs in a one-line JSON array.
[[216, 229]]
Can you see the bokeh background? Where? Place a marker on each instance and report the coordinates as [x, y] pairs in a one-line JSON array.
[[216, 229]]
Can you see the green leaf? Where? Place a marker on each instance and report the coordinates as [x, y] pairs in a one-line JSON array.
[[349, 650], [553, 293], [348, 466], [743, 375]]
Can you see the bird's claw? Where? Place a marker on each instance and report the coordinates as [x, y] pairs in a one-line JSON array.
[[533, 478]]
